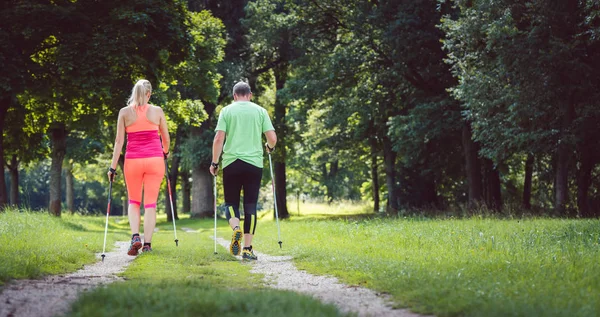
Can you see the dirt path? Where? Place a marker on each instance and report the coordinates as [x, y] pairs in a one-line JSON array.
[[281, 273], [53, 295]]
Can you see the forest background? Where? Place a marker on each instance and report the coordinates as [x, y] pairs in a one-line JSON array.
[[435, 107]]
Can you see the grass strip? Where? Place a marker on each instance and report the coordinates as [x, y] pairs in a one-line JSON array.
[[190, 280], [34, 244]]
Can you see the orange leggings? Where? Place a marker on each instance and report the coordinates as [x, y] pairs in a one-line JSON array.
[[146, 173]]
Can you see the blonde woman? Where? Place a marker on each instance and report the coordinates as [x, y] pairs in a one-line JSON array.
[[144, 125]]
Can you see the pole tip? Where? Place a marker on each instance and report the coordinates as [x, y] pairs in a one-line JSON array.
[[280, 244], [103, 257], [216, 253], [176, 242]]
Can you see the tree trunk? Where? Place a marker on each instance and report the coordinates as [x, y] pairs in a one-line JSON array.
[[389, 158], [528, 181], [584, 180], [4, 105], [329, 177], [493, 198], [280, 191], [562, 179], [69, 182], [280, 155], [14, 181], [472, 166], [562, 163], [429, 192], [173, 176], [202, 193], [186, 191], [374, 174], [334, 168], [58, 135]]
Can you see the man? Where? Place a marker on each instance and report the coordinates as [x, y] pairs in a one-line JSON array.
[[240, 127]]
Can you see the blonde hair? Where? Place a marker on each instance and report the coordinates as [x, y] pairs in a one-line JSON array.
[[138, 93]]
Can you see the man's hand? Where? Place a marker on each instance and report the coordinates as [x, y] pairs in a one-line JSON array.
[[269, 149], [214, 168]]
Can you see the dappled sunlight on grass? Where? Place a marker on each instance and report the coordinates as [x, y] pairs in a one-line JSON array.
[[321, 211]]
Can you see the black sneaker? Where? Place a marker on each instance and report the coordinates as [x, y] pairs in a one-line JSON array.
[[147, 248]]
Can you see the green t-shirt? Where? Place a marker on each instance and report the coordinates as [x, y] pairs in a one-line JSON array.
[[244, 122]]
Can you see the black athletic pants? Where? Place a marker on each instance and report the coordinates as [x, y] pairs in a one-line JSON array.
[[237, 176]]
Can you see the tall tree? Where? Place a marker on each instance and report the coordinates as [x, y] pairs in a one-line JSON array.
[[129, 39], [527, 72], [23, 141], [273, 27], [199, 86], [24, 27]]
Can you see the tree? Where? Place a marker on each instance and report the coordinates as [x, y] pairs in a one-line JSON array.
[[128, 40], [392, 86], [273, 26], [199, 86], [526, 74], [24, 143], [23, 31]]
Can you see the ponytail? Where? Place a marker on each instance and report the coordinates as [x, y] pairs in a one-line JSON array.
[[138, 93]]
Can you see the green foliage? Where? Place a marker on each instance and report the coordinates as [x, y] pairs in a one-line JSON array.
[[196, 78], [197, 149], [527, 80], [516, 73], [362, 84], [350, 83]]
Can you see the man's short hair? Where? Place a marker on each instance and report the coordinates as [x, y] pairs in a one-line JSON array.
[[241, 89]]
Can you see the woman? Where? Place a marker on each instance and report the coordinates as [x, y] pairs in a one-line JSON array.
[[144, 168]]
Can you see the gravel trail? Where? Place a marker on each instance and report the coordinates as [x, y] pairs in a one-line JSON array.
[[53, 295], [281, 273]]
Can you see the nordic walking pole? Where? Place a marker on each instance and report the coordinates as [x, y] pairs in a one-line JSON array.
[[107, 213], [171, 200], [275, 201], [215, 191]]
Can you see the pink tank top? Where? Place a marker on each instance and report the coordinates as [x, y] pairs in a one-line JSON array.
[[142, 137]]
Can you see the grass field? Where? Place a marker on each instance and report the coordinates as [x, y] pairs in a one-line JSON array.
[[188, 280], [447, 267], [33, 244], [452, 267]]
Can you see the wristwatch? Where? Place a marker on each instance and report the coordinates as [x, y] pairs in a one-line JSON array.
[[215, 165]]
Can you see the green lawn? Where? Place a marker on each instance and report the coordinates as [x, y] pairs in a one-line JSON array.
[[33, 244], [452, 267], [189, 280], [446, 267]]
